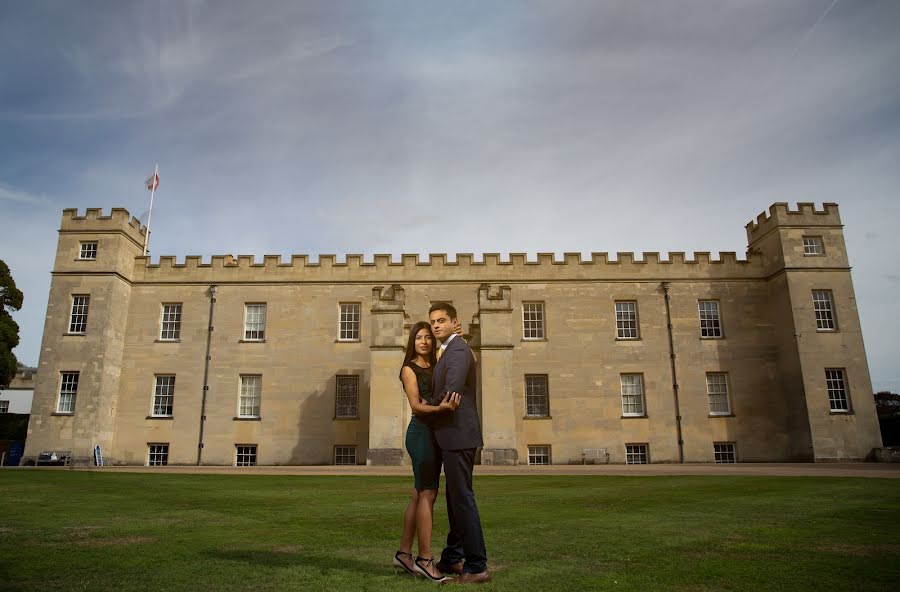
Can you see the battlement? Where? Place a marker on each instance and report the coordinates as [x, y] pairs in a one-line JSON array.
[[93, 220], [780, 214], [384, 269], [491, 267], [412, 260]]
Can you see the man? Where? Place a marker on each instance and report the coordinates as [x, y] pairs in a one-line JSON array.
[[458, 435]]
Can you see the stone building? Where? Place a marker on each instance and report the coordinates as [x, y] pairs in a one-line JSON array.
[[16, 398], [650, 359]]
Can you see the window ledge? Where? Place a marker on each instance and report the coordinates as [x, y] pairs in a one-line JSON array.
[[256, 418], [532, 417], [634, 416], [166, 341], [826, 330], [526, 339], [840, 413], [164, 417], [721, 415], [346, 418], [85, 259], [251, 340], [74, 334], [712, 338], [348, 340], [629, 339], [62, 414]]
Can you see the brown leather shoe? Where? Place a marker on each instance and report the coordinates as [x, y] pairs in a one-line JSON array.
[[470, 578], [454, 569]]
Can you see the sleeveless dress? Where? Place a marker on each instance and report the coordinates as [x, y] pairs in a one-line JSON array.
[[425, 456]]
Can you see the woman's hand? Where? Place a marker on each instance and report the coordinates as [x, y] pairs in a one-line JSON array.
[[450, 402]]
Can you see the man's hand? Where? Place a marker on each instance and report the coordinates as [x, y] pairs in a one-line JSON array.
[[458, 330], [450, 402]]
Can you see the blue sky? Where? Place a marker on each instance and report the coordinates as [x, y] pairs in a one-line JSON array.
[[338, 127]]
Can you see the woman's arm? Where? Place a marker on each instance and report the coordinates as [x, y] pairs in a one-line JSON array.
[[411, 388]]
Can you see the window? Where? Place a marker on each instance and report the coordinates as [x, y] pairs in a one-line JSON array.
[[348, 326], [539, 455], [170, 328], [68, 389], [636, 454], [837, 391], [710, 323], [254, 322], [245, 455], [724, 452], [157, 455], [537, 396], [4, 406], [346, 401], [632, 395], [813, 245], [823, 305], [78, 320], [88, 251], [626, 320], [533, 320], [163, 396], [251, 392], [717, 391], [345, 455]]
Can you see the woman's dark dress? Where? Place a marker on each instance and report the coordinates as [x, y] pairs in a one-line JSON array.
[[425, 456]]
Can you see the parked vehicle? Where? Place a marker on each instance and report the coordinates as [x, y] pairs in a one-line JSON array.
[[54, 457]]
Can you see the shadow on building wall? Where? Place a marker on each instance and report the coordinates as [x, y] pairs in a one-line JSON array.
[[318, 428]]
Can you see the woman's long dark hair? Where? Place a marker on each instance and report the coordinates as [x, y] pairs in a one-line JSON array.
[[411, 344]]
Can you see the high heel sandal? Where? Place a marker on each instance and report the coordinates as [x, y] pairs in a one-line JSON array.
[[399, 564], [423, 571]]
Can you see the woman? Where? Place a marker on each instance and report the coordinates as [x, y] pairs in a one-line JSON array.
[[415, 375]]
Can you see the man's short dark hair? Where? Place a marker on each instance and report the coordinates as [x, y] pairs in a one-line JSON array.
[[447, 308]]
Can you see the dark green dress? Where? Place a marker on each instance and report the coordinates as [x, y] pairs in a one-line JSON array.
[[425, 456]]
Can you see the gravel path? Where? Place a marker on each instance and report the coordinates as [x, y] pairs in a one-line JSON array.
[[868, 469]]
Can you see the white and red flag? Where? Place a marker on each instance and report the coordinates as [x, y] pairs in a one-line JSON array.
[[153, 181]]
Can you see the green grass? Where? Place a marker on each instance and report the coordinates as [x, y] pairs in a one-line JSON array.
[[63, 530]]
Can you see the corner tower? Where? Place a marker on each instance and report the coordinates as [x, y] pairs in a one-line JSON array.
[[76, 391], [822, 367]]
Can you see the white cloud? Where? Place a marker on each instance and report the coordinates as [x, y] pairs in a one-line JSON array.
[[12, 194]]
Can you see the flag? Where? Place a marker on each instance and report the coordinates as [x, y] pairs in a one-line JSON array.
[[153, 182]]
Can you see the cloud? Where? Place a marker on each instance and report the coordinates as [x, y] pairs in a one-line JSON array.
[[297, 51], [8, 193]]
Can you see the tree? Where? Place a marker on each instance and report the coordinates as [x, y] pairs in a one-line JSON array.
[[10, 299], [887, 403]]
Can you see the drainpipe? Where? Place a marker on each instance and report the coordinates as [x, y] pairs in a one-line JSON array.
[[665, 287], [212, 306]]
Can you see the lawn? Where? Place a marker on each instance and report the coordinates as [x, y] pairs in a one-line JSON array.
[[63, 530]]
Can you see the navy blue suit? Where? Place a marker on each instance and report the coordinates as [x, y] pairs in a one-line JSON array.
[[458, 435]]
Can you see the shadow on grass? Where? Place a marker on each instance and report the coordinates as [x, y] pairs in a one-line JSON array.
[[322, 563]]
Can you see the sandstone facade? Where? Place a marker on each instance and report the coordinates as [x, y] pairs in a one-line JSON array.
[[795, 389]]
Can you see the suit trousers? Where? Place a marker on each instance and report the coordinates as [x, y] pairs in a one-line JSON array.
[[465, 539]]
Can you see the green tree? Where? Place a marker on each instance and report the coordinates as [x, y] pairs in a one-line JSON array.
[[10, 299], [887, 404]]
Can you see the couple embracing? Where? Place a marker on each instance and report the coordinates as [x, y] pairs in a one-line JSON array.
[[440, 383]]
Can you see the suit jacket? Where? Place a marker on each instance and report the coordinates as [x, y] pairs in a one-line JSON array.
[[455, 373]]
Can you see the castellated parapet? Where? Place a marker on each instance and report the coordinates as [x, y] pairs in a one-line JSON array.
[[384, 267], [806, 215], [93, 220]]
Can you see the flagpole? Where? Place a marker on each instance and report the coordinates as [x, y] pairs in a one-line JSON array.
[[153, 185]]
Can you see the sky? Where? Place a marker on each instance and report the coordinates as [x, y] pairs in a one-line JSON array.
[[372, 127]]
